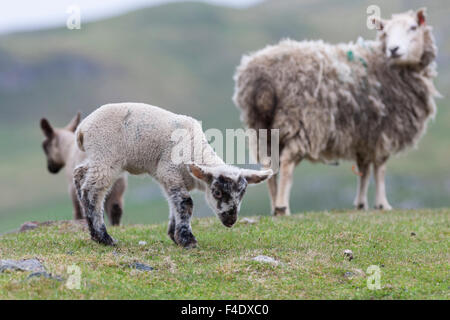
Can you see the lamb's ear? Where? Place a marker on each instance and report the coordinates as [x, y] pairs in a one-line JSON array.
[[47, 128], [421, 14], [200, 172], [256, 176], [378, 23], [73, 124]]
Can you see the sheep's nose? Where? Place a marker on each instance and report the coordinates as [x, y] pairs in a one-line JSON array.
[[394, 51]]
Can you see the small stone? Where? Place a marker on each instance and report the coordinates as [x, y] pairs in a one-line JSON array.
[[142, 243], [248, 221], [266, 259], [140, 266], [348, 254], [30, 225], [45, 275], [33, 265], [348, 275], [413, 234]]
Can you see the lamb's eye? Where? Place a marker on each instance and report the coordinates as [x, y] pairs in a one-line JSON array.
[[413, 28], [217, 194]]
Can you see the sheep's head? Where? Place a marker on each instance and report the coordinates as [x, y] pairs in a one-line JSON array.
[[226, 186], [52, 143], [406, 38]]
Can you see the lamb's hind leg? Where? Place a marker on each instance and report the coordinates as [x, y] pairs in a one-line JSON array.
[[114, 202], [96, 180], [381, 201], [363, 184]]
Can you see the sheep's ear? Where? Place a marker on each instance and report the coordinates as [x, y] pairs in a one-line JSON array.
[[47, 128], [378, 23], [200, 172], [421, 14], [255, 176], [73, 124]]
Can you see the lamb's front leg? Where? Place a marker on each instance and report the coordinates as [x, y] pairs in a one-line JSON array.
[[181, 206]]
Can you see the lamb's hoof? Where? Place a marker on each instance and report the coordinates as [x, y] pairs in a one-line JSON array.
[[185, 238], [280, 211], [384, 207], [104, 239]]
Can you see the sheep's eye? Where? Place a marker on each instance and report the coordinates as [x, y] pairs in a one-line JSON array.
[[217, 194], [413, 28]]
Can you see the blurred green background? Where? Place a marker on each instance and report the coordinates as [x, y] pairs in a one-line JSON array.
[[182, 56]]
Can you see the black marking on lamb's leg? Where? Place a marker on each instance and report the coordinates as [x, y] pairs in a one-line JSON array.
[[183, 205], [379, 207], [97, 229], [171, 229], [361, 206], [279, 211]]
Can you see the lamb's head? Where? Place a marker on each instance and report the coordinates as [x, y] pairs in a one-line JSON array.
[[53, 142], [406, 39], [225, 187]]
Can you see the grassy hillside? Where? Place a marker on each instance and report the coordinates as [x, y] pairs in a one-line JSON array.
[[182, 56], [410, 248]]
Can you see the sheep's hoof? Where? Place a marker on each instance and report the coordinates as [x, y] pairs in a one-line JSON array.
[[384, 207], [280, 211], [361, 206], [185, 238]]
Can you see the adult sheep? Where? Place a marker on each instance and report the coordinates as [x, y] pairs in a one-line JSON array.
[[361, 101]]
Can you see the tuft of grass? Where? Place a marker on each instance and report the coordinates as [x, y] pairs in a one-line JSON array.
[[410, 248]]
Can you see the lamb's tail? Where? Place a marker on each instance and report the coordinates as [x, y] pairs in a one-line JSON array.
[[80, 139]]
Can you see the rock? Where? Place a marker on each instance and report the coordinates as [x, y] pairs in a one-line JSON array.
[[140, 266], [348, 254], [355, 273], [30, 225], [348, 275], [33, 265], [45, 275], [266, 259], [142, 243], [248, 221]]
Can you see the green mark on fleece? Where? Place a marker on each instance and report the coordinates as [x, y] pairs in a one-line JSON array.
[[350, 55]]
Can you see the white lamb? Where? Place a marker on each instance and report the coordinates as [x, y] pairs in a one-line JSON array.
[[138, 138]]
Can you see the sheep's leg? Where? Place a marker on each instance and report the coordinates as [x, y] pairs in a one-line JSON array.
[[286, 175], [363, 184], [381, 201], [96, 183], [181, 206], [114, 202], [272, 184], [77, 211]]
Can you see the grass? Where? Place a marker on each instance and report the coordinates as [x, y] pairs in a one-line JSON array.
[[309, 248]]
